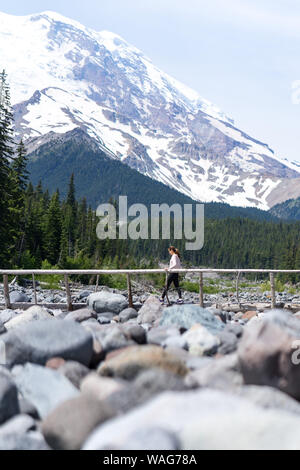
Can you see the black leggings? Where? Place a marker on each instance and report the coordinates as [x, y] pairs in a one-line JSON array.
[[172, 277]]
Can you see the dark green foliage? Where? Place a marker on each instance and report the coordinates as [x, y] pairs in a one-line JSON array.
[[99, 178], [288, 210]]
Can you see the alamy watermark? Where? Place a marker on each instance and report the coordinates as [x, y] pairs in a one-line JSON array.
[[133, 222]]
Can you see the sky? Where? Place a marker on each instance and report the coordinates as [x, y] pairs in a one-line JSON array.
[[242, 55]]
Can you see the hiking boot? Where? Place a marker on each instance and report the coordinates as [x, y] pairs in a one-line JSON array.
[[179, 301]]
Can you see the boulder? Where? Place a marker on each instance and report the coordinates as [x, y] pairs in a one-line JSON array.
[[127, 314], [202, 420], [135, 332], [7, 314], [41, 340], [269, 353], [16, 296], [228, 342], [100, 387], [33, 313], [223, 373], [200, 342], [74, 372], [9, 405], [185, 316], [107, 302], [132, 360], [68, 426], [81, 315], [151, 311], [45, 388]]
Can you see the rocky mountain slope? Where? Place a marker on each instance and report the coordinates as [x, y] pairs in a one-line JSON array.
[[65, 76], [288, 210]]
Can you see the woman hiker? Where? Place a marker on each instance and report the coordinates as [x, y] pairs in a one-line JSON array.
[[173, 277]]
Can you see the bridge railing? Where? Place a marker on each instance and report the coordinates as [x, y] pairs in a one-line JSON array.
[[128, 272]]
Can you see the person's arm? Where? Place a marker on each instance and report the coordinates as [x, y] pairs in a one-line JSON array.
[[172, 262]]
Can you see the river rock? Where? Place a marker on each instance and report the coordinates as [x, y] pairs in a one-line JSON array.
[[81, 315], [68, 426], [16, 296], [135, 332], [203, 419], [223, 374], [200, 341], [9, 405], [151, 311], [268, 353], [45, 388], [7, 314], [131, 361], [127, 314], [100, 387], [74, 372], [185, 316], [228, 342], [33, 313], [41, 340], [107, 302]]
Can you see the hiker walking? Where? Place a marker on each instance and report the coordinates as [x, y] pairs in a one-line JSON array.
[[173, 277]]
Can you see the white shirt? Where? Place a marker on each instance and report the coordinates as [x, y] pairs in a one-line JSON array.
[[175, 262]]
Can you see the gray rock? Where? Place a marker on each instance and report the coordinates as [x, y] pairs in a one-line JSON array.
[[16, 296], [7, 314], [151, 438], [186, 316], [200, 341], [107, 302], [27, 408], [33, 313], [45, 388], [151, 311], [9, 405], [228, 342], [159, 334], [105, 317], [135, 332], [39, 341], [146, 385], [81, 315], [19, 424], [268, 353], [32, 440], [270, 398], [115, 339], [84, 294], [68, 426], [234, 328], [74, 371], [203, 420], [2, 329], [223, 374], [127, 314]]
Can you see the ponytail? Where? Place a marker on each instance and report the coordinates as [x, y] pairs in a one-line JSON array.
[[176, 251]]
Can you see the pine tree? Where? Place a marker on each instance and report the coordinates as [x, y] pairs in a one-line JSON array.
[[53, 230]]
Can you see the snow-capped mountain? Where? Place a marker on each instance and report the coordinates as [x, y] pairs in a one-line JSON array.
[[64, 76]]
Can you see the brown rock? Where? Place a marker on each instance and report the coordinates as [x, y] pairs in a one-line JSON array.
[[69, 425], [250, 314], [131, 361], [266, 353], [55, 363]]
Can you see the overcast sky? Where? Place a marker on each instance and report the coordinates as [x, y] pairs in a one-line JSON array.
[[242, 55]]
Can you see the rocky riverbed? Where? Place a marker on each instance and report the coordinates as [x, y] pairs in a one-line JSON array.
[[107, 376]]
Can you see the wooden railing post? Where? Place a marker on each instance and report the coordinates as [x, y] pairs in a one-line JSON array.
[[6, 291], [68, 292], [273, 290], [34, 289], [201, 298], [97, 283], [130, 302]]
